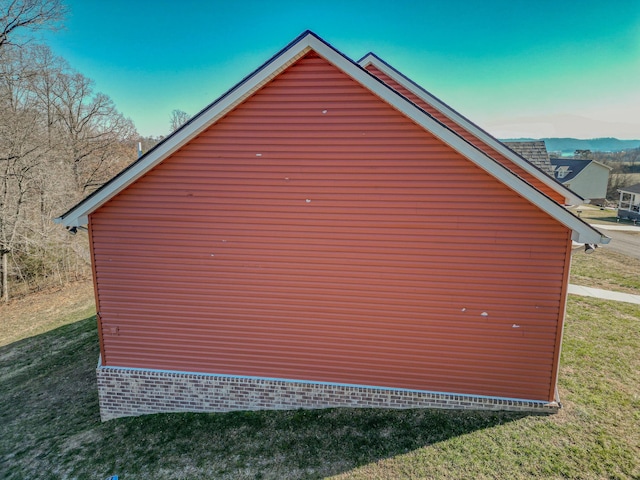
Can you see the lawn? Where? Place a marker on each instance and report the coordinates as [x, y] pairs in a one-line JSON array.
[[605, 269], [51, 427], [594, 214], [599, 216]]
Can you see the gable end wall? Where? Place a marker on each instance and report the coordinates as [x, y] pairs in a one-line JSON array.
[[316, 234]]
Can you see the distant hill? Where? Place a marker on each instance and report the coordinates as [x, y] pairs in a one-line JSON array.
[[570, 145]]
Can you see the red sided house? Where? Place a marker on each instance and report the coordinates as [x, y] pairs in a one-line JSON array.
[[325, 234]]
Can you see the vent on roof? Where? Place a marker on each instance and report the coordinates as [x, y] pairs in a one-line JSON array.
[[563, 171]]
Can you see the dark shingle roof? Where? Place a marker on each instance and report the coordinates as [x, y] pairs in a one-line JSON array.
[[574, 166], [631, 188], [535, 152]]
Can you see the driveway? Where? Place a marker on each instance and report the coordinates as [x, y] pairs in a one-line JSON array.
[[627, 243]]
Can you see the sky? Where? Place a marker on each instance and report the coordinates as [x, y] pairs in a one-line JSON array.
[[534, 68]]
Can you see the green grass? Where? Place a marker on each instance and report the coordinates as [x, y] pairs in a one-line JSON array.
[[51, 428], [49, 412], [606, 269], [593, 214], [597, 215]]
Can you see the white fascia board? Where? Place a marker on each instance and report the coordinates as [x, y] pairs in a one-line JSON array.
[[601, 164], [78, 215], [371, 59], [581, 230]]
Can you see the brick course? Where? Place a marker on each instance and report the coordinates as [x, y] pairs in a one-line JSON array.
[[127, 392]]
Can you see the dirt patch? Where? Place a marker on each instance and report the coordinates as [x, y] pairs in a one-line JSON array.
[[39, 312]]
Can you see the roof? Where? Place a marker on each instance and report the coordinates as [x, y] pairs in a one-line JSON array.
[[631, 188], [308, 41], [542, 175], [574, 167], [534, 151]]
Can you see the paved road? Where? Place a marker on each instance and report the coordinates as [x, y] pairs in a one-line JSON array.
[[627, 243]]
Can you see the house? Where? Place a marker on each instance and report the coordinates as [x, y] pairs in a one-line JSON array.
[[629, 202], [587, 178], [308, 241], [535, 151]]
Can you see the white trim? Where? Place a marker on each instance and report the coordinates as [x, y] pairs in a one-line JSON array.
[[601, 164], [582, 232], [372, 59]]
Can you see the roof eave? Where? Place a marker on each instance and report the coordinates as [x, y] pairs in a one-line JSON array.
[[594, 237], [601, 164]]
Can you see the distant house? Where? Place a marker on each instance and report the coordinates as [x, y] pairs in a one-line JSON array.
[[535, 151], [587, 178], [306, 241], [629, 202]]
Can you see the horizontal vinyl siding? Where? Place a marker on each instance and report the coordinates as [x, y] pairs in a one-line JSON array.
[[468, 136], [315, 233]]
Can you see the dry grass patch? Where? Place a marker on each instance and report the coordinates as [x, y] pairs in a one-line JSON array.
[[40, 312], [606, 269]]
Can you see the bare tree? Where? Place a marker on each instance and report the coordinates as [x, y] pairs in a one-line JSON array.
[[21, 152], [617, 181], [58, 141], [47, 68], [90, 127], [19, 15], [178, 118]]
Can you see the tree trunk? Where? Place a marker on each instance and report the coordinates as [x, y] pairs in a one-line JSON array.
[[5, 276]]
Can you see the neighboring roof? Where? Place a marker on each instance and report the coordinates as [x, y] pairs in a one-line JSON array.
[[544, 175], [631, 188], [308, 41], [534, 151], [574, 167]]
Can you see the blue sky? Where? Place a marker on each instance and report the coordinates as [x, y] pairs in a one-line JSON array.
[[516, 68]]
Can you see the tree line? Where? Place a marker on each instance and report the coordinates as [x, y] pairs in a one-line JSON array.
[[59, 141]]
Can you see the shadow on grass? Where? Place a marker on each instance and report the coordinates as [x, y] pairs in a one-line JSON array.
[[50, 418]]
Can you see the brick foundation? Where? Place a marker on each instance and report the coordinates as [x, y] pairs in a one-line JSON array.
[[127, 392]]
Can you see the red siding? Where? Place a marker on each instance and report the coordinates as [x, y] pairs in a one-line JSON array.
[[468, 136], [315, 233]]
